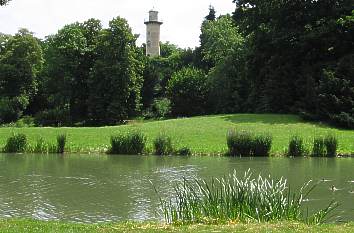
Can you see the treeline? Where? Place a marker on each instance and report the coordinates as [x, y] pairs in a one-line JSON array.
[[267, 57]]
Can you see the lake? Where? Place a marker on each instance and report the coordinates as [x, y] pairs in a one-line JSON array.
[[100, 188]]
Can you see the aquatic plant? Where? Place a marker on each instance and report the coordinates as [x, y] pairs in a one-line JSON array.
[[184, 151], [331, 143], [296, 147], [244, 143], [17, 143], [318, 149], [163, 145], [41, 147], [132, 143], [262, 145], [240, 143], [61, 142], [239, 199]]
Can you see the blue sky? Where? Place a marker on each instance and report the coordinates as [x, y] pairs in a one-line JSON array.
[[182, 18]]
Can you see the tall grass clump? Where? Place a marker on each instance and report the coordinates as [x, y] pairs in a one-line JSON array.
[[17, 143], [296, 147], [184, 151], [41, 147], [239, 199], [244, 143], [240, 143], [163, 145], [331, 143], [318, 149], [262, 145], [128, 144], [61, 142]]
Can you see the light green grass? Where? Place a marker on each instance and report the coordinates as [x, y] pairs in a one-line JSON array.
[[204, 135], [32, 226]]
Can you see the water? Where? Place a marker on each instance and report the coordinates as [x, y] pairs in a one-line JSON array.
[[94, 189]]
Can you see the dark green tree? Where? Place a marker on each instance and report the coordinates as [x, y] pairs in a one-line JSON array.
[[212, 14], [70, 55], [20, 62], [188, 91], [4, 2], [115, 80]]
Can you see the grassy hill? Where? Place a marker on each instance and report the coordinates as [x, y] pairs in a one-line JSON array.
[[204, 135]]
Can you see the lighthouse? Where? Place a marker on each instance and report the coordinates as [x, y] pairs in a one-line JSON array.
[[153, 34]]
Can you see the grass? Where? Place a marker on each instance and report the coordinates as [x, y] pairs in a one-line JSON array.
[[242, 199], [203, 135], [34, 226]]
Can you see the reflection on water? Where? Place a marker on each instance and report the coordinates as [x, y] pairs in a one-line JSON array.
[[97, 189]]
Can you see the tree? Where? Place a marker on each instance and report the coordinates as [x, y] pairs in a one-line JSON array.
[[20, 62], [212, 14], [220, 39], [70, 55], [291, 43], [115, 80], [4, 2], [187, 91]]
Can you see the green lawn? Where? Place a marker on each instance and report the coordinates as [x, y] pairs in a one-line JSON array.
[[32, 226], [205, 135]]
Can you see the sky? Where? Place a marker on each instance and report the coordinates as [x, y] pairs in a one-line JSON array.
[[182, 18]]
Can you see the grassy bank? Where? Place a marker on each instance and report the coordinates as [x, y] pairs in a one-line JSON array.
[[32, 226], [205, 135]]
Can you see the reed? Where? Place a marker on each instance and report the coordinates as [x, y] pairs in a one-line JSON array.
[[331, 143], [296, 147], [239, 199], [61, 142], [318, 149], [132, 143], [163, 145]]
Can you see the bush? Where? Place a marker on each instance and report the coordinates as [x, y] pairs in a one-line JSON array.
[[319, 149], [262, 145], [54, 117], [184, 151], [240, 143], [11, 109], [16, 144], [163, 145], [161, 108], [61, 141], [331, 143], [296, 147], [129, 144]]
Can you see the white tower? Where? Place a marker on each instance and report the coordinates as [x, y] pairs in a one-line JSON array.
[[153, 34]]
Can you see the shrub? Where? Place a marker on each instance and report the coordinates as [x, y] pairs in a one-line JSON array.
[[128, 144], [184, 151], [331, 143], [262, 145], [61, 141], [53, 117], [240, 143], [163, 145], [239, 199], [296, 147], [319, 149], [160, 109], [41, 146], [16, 144]]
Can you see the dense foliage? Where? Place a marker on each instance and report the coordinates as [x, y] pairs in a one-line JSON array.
[[268, 56]]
